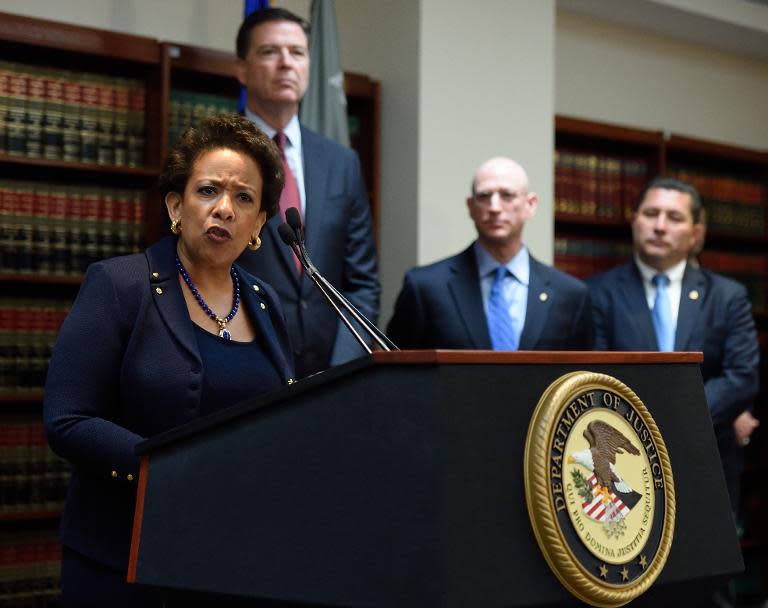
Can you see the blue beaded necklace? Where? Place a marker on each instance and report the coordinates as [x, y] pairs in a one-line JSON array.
[[223, 331]]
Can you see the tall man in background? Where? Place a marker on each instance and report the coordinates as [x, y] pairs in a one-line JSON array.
[[661, 301], [323, 180], [494, 294]]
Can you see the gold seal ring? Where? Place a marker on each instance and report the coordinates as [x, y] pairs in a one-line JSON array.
[[599, 488]]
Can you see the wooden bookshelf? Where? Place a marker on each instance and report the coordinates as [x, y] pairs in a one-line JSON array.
[[733, 182], [49, 73], [114, 73], [364, 111]]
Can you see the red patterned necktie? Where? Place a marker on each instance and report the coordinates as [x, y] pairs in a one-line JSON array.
[[290, 195]]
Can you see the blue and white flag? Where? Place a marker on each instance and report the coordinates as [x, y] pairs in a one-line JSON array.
[[249, 7]]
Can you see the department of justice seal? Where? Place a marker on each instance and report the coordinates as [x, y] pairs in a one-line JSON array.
[[599, 488]]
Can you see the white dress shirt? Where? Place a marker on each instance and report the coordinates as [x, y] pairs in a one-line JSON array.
[[292, 150], [674, 289]]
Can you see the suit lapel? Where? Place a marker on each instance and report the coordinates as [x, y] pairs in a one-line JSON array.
[[173, 308], [282, 252], [315, 188], [638, 317], [468, 299], [262, 320], [537, 306], [169, 299], [691, 298]]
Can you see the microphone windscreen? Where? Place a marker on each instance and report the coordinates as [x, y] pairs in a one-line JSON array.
[[287, 234], [293, 218]]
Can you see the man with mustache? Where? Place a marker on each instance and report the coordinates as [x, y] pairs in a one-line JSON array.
[[493, 295], [662, 302], [323, 180]]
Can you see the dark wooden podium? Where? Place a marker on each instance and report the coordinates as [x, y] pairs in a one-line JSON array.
[[397, 480]]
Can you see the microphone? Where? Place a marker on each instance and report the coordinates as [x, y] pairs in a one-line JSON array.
[[292, 234], [288, 234], [290, 238], [294, 221]]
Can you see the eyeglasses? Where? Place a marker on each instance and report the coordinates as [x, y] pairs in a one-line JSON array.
[[484, 197]]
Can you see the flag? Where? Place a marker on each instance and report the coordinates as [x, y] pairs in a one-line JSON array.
[[249, 7], [611, 510], [324, 108]]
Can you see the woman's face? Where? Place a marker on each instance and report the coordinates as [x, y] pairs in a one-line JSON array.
[[220, 208]]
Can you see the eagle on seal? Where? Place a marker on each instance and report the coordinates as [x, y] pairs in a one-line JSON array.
[[604, 443]]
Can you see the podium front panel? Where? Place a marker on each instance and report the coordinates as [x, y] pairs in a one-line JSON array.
[[402, 485]]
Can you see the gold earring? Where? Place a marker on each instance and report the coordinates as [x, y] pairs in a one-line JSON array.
[[176, 226], [254, 244]]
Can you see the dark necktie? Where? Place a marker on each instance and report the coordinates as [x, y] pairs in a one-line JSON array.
[[501, 326], [662, 314], [290, 194]]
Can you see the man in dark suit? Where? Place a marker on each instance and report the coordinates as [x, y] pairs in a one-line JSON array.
[[636, 309], [323, 180], [493, 294]]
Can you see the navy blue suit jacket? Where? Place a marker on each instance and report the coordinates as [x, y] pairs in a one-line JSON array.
[[340, 241], [127, 366], [441, 306], [715, 317]]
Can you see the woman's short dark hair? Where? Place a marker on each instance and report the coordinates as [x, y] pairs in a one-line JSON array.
[[232, 132]]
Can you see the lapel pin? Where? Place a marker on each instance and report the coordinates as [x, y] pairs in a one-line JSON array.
[[543, 296], [693, 294]]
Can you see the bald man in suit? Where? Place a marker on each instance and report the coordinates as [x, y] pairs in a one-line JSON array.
[[494, 294]]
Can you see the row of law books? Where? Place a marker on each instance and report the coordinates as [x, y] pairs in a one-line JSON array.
[[188, 108], [28, 329], [33, 480], [594, 186], [30, 567], [71, 115], [749, 269], [735, 205], [59, 229], [583, 257], [723, 187]]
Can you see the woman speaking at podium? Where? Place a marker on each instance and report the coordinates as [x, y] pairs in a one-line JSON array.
[[159, 338]]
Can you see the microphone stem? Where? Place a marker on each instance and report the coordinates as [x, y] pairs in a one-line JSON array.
[[381, 339], [346, 321], [311, 271], [293, 236]]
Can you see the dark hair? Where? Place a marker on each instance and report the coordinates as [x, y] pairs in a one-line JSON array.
[[260, 16], [232, 132], [672, 183]]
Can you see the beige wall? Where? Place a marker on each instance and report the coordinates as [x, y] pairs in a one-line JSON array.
[[654, 82], [210, 23], [382, 39], [452, 96], [484, 93]]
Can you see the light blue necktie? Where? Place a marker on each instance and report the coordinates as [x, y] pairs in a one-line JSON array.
[[662, 314], [501, 326]]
